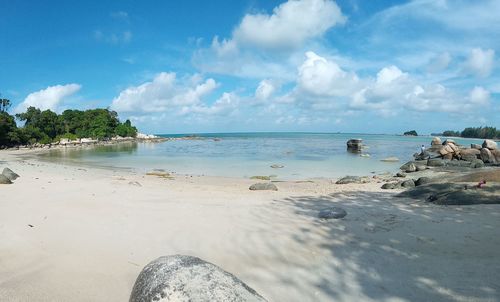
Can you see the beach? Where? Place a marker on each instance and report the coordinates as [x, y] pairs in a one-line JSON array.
[[83, 233]]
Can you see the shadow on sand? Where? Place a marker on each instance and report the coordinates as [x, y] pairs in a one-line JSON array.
[[385, 249]]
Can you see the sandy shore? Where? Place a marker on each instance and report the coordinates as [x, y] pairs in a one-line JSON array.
[[72, 233]]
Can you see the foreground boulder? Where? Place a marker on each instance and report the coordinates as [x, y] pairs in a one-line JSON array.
[[10, 174], [263, 186], [332, 213], [490, 144], [487, 156], [187, 278], [4, 180]]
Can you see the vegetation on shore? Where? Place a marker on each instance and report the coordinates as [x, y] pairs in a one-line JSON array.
[[47, 126], [475, 132]]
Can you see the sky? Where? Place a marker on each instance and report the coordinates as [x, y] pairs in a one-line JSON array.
[[258, 65]]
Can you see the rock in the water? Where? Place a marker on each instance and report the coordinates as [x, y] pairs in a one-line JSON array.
[[436, 162], [422, 181], [10, 174], [332, 213], [490, 144], [487, 156], [390, 159], [436, 141], [355, 144], [187, 278], [4, 180], [408, 183], [267, 186], [349, 180], [275, 166], [476, 146]]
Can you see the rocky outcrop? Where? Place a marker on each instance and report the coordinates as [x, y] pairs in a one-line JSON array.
[[488, 156], [11, 175], [263, 186], [332, 213], [355, 145], [456, 193], [422, 181], [187, 278], [490, 144], [408, 183], [469, 154]]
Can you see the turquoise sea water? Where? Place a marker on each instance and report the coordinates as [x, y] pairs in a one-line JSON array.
[[303, 155]]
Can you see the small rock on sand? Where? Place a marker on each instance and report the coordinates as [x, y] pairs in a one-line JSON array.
[[275, 166], [332, 213], [11, 175], [135, 183], [187, 278], [263, 186], [349, 180], [4, 180]]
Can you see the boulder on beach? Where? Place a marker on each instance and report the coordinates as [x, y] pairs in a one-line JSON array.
[[332, 213], [477, 164], [490, 144], [263, 186], [408, 183], [487, 156], [455, 193], [423, 180], [188, 278], [411, 168], [4, 180], [476, 146], [10, 174], [448, 141], [400, 174], [436, 141], [349, 180], [436, 162], [391, 185], [469, 154]]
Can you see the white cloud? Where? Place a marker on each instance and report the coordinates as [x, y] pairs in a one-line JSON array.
[[321, 77], [265, 89], [439, 62], [227, 103], [48, 98], [162, 94], [479, 96], [290, 25], [480, 62]]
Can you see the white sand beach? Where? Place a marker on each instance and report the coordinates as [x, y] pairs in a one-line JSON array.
[[71, 233]]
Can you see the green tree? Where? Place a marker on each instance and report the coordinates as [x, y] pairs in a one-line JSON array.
[[7, 125]]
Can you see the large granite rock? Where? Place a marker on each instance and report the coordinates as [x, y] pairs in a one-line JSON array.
[[469, 154], [4, 180], [332, 213], [436, 162], [436, 141], [476, 146], [263, 186], [10, 174], [449, 141], [408, 183], [490, 144], [487, 156], [187, 278], [349, 180]]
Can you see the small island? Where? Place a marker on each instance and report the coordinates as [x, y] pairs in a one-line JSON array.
[[410, 133]]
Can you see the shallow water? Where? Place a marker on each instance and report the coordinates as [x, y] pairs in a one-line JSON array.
[[303, 155]]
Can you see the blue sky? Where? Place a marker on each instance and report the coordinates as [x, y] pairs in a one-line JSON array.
[[255, 65]]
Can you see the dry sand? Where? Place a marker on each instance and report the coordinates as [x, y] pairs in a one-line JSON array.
[[71, 233]]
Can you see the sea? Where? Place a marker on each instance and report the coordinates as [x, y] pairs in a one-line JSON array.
[[300, 155]]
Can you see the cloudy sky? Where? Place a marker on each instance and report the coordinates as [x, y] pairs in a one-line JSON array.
[[258, 65]]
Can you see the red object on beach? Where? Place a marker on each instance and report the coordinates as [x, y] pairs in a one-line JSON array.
[[481, 183]]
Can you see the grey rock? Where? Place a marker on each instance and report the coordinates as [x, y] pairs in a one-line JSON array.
[[355, 144], [400, 174], [349, 180], [490, 144], [332, 213], [391, 185], [477, 164], [421, 167], [436, 162], [187, 278], [476, 146], [4, 180], [436, 141], [422, 156], [406, 165], [275, 166], [263, 186], [408, 183], [411, 168], [455, 193], [422, 181], [10, 174], [449, 141], [487, 156], [135, 183]]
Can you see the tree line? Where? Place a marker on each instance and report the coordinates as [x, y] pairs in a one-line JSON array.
[[47, 126], [475, 132]]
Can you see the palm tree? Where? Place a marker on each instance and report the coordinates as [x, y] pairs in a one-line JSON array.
[[4, 105]]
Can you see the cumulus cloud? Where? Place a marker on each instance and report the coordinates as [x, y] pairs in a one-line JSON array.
[[49, 98], [480, 62], [479, 96], [227, 103], [290, 25], [265, 89], [321, 77], [163, 93]]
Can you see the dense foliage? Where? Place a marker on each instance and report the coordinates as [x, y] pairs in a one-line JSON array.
[[47, 126], [412, 132], [475, 132]]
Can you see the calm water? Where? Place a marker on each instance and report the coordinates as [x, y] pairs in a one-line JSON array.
[[304, 155]]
